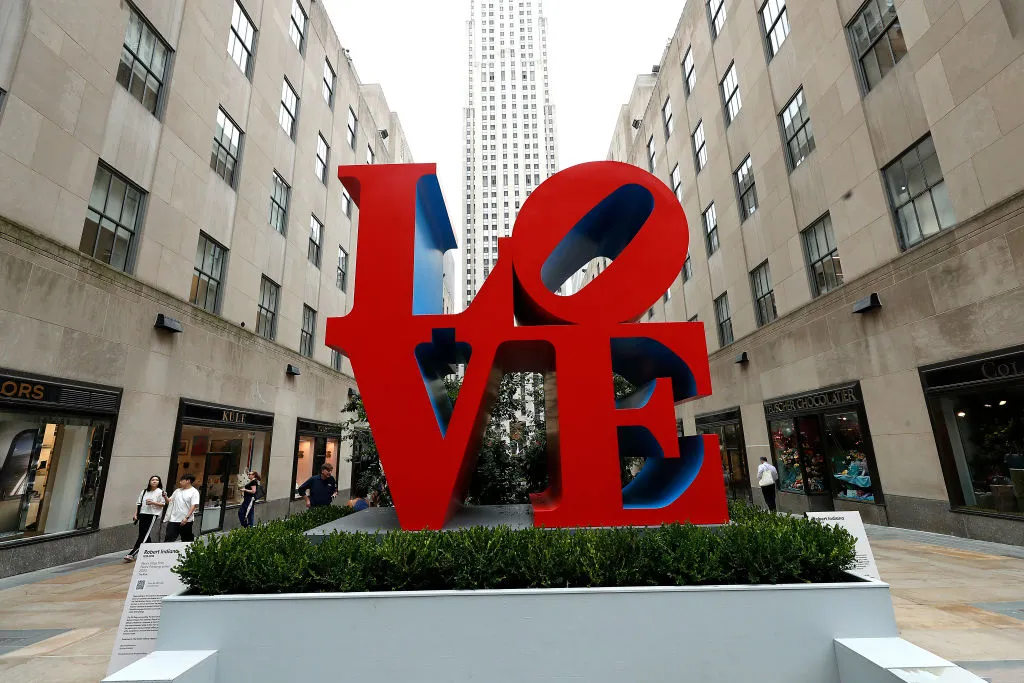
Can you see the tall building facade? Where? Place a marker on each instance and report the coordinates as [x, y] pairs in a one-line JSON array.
[[852, 176], [173, 237], [510, 142]]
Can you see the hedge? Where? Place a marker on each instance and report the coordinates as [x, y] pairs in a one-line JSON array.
[[756, 548]]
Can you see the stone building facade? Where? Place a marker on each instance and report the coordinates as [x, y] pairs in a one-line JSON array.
[[173, 237], [852, 177]]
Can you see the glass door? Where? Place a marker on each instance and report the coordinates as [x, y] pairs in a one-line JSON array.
[[213, 493]]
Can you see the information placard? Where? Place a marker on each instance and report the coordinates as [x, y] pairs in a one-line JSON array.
[[152, 580], [864, 563]]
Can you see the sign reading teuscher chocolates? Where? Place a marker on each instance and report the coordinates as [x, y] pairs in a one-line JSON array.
[[813, 402]]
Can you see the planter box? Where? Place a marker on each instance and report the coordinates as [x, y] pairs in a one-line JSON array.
[[710, 634]]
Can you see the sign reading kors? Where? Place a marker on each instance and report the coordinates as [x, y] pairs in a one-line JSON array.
[[401, 346]]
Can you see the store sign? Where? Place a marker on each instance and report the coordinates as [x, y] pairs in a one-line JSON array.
[[402, 345], [864, 560], [308, 426], [993, 369], [226, 416], [813, 402], [20, 389]]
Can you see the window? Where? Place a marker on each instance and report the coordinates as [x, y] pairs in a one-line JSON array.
[[289, 109], [316, 236], [745, 189], [227, 142], [323, 152], [716, 13], [822, 257], [115, 209], [724, 320], [918, 194], [266, 310], [297, 28], [143, 63], [650, 155], [207, 274], [346, 203], [764, 295], [700, 149], [878, 40], [731, 94], [328, 88], [677, 183], [687, 269], [796, 126], [370, 156], [666, 117], [689, 72], [279, 194], [341, 278], [242, 39], [776, 25], [335, 365], [308, 330], [351, 134], [710, 219]]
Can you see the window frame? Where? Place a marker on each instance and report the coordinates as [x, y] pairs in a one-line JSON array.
[[276, 181], [301, 30], [328, 87], [700, 154], [341, 276], [236, 159], [689, 74], [745, 191], [832, 255], [269, 314], [763, 291], [715, 25], [676, 179], [162, 79], [250, 51], [352, 128], [666, 118], [687, 269], [371, 155], [346, 202], [859, 55], [723, 324], [198, 274], [791, 163], [314, 250], [307, 335], [293, 116], [652, 154], [912, 201], [711, 241], [730, 97], [324, 162], [768, 30], [133, 232]]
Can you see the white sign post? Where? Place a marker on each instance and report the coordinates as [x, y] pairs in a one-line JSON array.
[[864, 562], [152, 580]]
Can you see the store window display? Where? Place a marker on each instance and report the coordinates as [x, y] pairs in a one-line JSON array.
[[311, 454], [851, 474]]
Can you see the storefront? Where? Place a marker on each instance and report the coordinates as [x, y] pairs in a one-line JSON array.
[[821, 446], [976, 407], [728, 426], [316, 443], [219, 445], [55, 441]]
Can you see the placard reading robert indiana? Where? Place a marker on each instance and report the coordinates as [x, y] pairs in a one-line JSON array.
[[140, 619]]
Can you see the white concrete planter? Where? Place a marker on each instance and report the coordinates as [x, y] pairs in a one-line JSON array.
[[710, 634]]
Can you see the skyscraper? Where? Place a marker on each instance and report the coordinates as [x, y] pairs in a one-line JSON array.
[[510, 125]]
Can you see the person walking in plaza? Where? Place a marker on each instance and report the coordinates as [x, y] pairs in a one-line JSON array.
[[767, 475], [320, 489], [181, 510], [251, 492], [147, 513]]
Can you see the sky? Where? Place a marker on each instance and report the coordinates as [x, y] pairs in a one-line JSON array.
[[417, 51]]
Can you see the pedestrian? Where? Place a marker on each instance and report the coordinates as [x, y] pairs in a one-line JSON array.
[[320, 489], [147, 513], [358, 501], [767, 475], [251, 492], [181, 510]]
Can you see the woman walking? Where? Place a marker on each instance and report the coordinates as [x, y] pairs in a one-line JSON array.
[[147, 512], [250, 492]]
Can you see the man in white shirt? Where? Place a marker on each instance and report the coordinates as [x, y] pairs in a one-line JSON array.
[[181, 510], [767, 476]]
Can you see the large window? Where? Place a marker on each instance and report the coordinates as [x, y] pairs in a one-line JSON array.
[[289, 109], [710, 219], [207, 274], [308, 331], [242, 39], [297, 27], [731, 94], [878, 40], [689, 71], [745, 189], [328, 85], [796, 127], [723, 320], [112, 221], [351, 128], [346, 203], [677, 183], [323, 152], [716, 14], [764, 294], [313, 451], [822, 257], [279, 195], [776, 25], [227, 141], [651, 154], [700, 148], [341, 278], [666, 117], [266, 310], [918, 194], [687, 269], [143, 62], [316, 236]]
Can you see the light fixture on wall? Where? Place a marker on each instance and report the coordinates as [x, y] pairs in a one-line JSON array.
[[383, 133], [168, 324], [293, 370], [636, 124], [868, 303], [743, 357]]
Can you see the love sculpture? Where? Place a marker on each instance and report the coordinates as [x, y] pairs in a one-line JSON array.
[[401, 346]]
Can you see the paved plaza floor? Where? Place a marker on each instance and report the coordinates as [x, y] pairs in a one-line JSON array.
[[963, 600]]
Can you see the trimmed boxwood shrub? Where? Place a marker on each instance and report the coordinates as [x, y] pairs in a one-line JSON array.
[[756, 548]]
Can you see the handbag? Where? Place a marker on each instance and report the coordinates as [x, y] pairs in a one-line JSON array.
[[766, 478]]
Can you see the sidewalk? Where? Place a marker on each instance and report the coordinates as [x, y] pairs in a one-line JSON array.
[[963, 600]]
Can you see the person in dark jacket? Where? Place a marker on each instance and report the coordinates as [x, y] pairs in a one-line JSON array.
[[250, 493], [321, 489]]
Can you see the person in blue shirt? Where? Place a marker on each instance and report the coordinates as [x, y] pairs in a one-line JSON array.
[[358, 501], [320, 489]]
